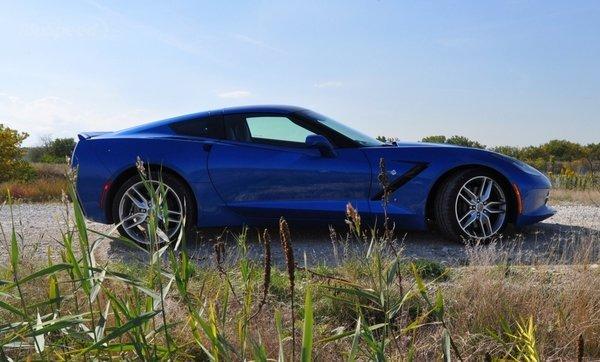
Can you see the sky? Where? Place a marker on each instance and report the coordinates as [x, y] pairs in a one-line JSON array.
[[505, 72]]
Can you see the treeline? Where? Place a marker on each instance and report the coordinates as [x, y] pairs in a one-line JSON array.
[[51, 151], [555, 156]]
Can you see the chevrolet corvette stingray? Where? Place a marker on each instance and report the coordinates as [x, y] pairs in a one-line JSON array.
[[252, 165]]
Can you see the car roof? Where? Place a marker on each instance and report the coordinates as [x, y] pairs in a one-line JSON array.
[[283, 109], [159, 126]]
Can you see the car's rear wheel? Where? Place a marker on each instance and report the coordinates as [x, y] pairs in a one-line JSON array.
[[133, 203], [472, 204]]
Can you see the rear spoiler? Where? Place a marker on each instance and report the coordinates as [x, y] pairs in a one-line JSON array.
[[88, 135]]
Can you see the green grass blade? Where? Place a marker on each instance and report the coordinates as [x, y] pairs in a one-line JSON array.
[[14, 249], [307, 336], [122, 330], [280, 336], [355, 340], [12, 309], [46, 271]]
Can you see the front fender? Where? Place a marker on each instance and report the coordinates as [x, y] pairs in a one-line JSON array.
[[408, 203]]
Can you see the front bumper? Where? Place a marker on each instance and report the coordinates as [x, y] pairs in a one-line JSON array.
[[534, 207]]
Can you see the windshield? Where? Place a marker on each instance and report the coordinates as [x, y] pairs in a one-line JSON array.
[[353, 134]]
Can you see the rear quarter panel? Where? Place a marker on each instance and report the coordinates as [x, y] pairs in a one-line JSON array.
[[102, 160]]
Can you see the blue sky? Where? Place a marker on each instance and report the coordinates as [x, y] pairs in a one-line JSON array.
[[509, 72]]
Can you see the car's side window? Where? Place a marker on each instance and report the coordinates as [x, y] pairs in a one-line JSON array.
[[276, 128], [267, 129], [208, 127]]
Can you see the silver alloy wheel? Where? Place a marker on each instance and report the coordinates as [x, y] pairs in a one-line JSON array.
[[480, 207], [135, 206]]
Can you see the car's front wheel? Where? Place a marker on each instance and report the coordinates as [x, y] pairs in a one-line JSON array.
[[472, 204], [169, 200]]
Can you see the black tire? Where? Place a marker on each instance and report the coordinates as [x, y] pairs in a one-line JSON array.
[[445, 214], [181, 190]]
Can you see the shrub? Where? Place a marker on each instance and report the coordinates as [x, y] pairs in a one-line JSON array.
[[12, 164], [52, 150]]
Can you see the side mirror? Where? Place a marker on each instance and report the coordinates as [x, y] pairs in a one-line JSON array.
[[322, 144]]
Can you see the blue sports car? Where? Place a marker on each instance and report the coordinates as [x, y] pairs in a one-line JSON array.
[[252, 165]]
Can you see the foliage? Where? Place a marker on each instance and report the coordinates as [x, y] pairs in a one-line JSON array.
[[568, 179], [52, 150], [385, 139], [12, 165], [454, 140], [48, 184], [434, 139]]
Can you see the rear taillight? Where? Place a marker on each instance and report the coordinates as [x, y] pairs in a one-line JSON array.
[[104, 193]]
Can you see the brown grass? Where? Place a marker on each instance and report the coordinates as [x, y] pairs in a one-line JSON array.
[[583, 197], [564, 303], [40, 190], [48, 186], [50, 170]]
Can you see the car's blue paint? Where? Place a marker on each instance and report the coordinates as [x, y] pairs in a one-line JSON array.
[[258, 180], [238, 183]]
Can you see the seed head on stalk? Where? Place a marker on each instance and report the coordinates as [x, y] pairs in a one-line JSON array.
[[71, 173], [385, 184], [266, 239], [219, 247], [139, 164], [353, 219], [286, 245]]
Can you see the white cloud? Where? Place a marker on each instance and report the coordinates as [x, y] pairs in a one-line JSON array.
[[58, 117], [329, 84], [236, 94]]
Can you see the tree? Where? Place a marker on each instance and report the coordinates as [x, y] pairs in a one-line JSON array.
[[60, 148], [52, 150], [593, 151], [464, 141], [454, 140], [563, 150], [385, 139], [434, 139], [511, 151], [34, 154], [12, 164]]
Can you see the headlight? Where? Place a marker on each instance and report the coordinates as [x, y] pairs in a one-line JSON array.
[[526, 168]]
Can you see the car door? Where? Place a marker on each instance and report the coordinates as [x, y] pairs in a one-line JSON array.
[[265, 170]]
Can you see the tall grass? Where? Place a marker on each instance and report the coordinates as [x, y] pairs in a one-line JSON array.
[[376, 305], [48, 185], [574, 181], [39, 190]]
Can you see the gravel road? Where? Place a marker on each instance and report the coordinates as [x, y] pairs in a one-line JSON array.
[[39, 226]]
